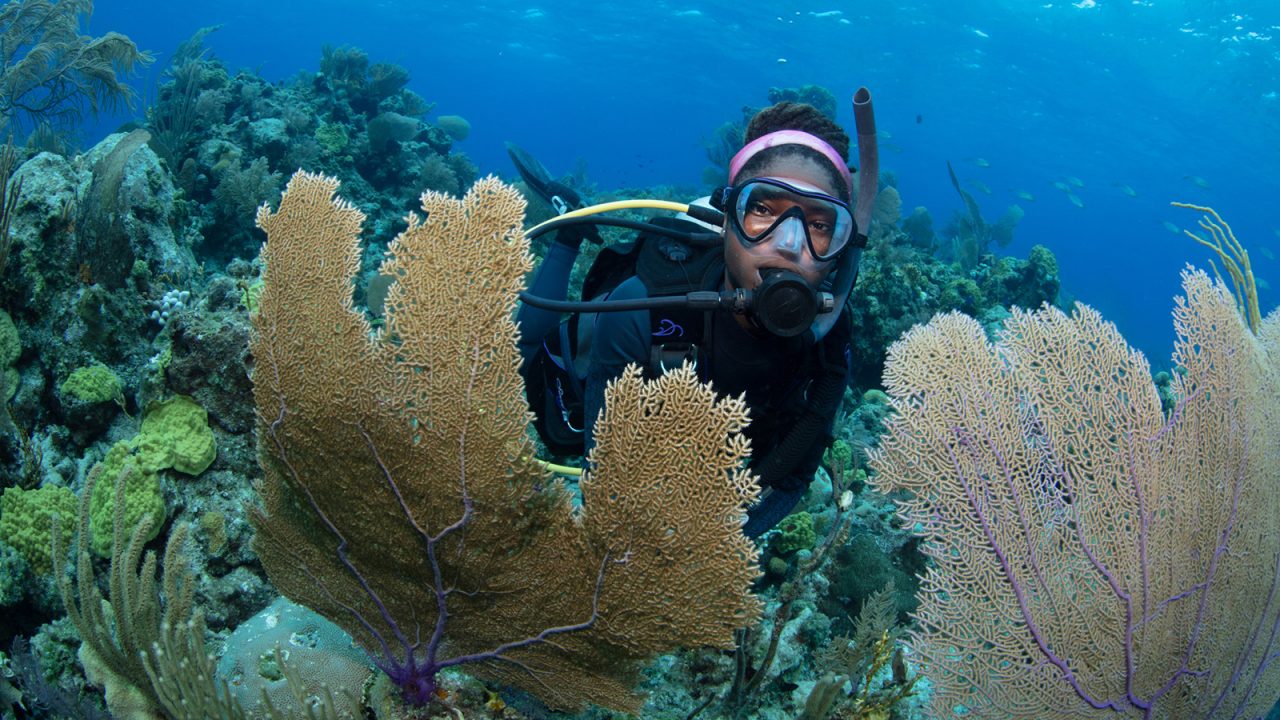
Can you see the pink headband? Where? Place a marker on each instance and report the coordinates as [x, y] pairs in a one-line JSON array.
[[790, 137]]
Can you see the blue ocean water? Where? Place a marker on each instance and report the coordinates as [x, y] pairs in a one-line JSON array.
[[1130, 104]]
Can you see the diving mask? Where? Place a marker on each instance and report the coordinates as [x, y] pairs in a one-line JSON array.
[[760, 206]]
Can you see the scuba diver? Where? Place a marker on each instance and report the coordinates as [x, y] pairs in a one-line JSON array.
[[749, 285]]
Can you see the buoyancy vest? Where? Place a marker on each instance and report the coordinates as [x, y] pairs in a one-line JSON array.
[[791, 424]]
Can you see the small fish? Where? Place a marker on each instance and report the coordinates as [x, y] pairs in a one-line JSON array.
[[1198, 181], [782, 61], [981, 162], [1024, 195], [1062, 186], [828, 13], [1266, 252], [1262, 283], [884, 135], [980, 186], [1127, 190], [1075, 200], [894, 148], [1171, 227], [1075, 181], [919, 119]]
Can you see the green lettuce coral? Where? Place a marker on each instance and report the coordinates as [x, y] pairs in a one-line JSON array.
[[93, 384], [143, 497], [175, 435], [26, 521], [795, 533]]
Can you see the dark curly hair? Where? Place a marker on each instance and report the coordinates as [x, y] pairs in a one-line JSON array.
[[797, 116]]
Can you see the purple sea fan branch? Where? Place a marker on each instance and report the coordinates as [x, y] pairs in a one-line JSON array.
[[965, 440], [417, 679], [411, 666]]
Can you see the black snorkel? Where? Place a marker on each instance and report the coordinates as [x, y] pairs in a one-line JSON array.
[[840, 282], [864, 122], [784, 304]]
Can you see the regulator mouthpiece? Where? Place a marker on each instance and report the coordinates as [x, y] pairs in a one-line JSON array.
[[785, 305]]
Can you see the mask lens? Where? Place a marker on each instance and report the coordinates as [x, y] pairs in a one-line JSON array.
[[760, 205]]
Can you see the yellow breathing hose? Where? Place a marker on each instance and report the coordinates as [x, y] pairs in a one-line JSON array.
[[616, 205], [559, 469]]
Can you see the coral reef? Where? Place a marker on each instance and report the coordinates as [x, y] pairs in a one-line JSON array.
[[130, 287]]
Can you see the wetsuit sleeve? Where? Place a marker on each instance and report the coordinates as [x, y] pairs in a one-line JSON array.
[[551, 282], [620, 338], [792, 462], [789, 468], [827, 394]]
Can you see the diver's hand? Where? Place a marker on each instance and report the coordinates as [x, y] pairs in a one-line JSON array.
[[575, 234]]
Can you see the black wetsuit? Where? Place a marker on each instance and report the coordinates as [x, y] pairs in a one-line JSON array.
[[774, 373]]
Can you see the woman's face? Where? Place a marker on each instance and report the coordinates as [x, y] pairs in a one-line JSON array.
[[785, 248]]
